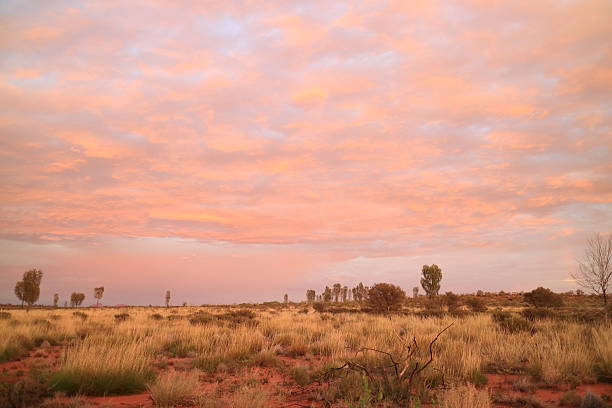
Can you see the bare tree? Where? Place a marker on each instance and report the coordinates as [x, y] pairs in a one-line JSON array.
[[167, 298], [98, 293], [595, 268]]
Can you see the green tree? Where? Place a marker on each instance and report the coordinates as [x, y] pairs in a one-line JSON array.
[[311, 295], [286, 298], [360, 292], [98, 293], [432, 275], [76, 299], [19, 291], [543, 297], [385, 297], [337, 289], [327, 294], [28, 289]]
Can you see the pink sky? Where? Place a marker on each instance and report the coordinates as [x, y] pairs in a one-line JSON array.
[[236, 152]]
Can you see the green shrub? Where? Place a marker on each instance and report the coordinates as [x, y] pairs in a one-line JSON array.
[[476, 305], [23, 394], [156, 316], [570, 399], [543, 297], [512, 324], [537, 313]]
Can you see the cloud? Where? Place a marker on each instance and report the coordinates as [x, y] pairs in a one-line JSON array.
[[359, 130]]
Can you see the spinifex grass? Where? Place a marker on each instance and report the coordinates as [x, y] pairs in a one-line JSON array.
[[98, 366]]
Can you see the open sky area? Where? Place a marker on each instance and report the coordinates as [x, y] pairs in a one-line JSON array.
[[235, 151]]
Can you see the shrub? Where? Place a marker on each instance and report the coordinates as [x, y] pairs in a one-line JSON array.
[[156, 316], [592, 401], [319, 307], [201, 318], [5, 315], [476, 305], [570, 399], [122, 317], [512, 324], [249, 397], [80, 315], [537, 313], [543, 297], [23, 394], [300, 375], [452, 301], [385, 297], [173, 388]]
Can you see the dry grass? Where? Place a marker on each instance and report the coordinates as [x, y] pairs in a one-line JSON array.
[[105, 357], [465, 396], [174, 388]]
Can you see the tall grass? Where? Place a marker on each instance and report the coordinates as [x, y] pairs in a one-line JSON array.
[[104, 366]]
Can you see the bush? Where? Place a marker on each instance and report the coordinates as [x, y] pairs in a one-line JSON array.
[[570, 399], [537, 313], [5, 315], [384, 297], [542, 297], [201, 318], [23, 394], [592, 401], [476, 305], [173, 388], [451, 301], [319, 307], [512, 324], [156, 316], [80, 315], [122, 317]]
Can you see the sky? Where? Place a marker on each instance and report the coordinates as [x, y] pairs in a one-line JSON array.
[[236, 151]]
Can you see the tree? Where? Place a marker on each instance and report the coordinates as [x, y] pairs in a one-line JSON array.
[[344, 293], [432, 275], [76, 299], [28, 289], [452, 301], [415, 292], [385, 297], [327, 294], [595, 268], [167, 298], [337, 289], [360, 292], [19, 291], [98, 293], [311, 295], [286, 298], [55, 300], [543, 297]]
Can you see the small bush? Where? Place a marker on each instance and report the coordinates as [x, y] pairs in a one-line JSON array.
[[300, 375], [512, 324], [23, 394], [156, 316], [80, 315], [543, 297], [592, 401], [5, 315], [476, 305], [173, 388], [201, 319], [537, 313], [319, 307], [249, 397], [570, 399], [122, 317], [452, 301]]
